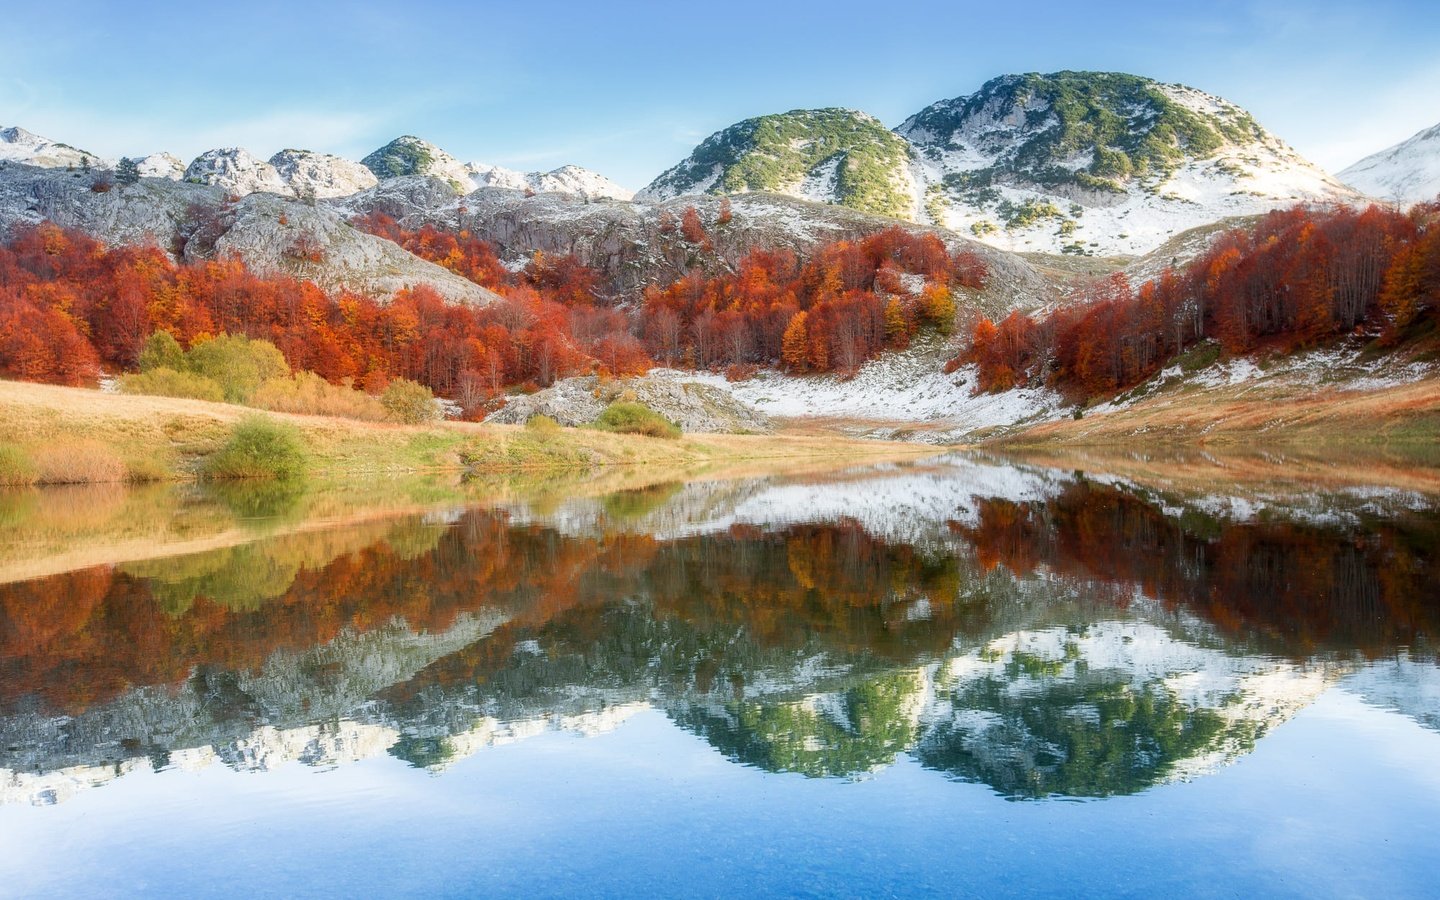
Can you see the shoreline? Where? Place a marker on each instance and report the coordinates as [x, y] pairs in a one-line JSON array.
[[163, 439]]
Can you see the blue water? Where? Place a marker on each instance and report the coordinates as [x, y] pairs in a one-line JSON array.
[[957, 688], [1343, 800]]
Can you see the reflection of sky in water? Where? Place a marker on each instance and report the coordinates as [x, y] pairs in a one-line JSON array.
[[1341, 800], [951, 645]]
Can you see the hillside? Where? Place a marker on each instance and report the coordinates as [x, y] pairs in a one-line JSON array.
[[1101, 163], [1084, 163], [1406, 173], [270, 233], [631, 245], [826, 155]]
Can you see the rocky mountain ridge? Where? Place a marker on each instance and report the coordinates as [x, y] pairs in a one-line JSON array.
[[308, 175], [1085, 163], [1406, 173]]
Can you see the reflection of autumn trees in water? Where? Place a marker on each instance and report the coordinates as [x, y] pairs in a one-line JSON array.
[[85, 637], [1307, 587]]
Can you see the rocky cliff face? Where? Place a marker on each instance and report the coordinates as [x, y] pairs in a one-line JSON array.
[[321, 175], [270, 233], [235, 171], [631, 245]]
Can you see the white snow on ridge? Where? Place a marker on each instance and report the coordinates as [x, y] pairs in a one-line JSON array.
[[237, 171], [321, 175], [19, 145], [1238, 182], [574, 180], [161, 165], [1407, 173], [894, 388]]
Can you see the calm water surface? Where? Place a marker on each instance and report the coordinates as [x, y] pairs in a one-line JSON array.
[[956, 678]]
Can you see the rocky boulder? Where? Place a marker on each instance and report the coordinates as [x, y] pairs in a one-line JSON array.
[[693, 406]]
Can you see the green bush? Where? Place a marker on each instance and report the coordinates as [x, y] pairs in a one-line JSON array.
[[161, 351], [636, 418], [236, 363], [542, 424], [15, 466], [259, 448], [167, 382], [409, 402]]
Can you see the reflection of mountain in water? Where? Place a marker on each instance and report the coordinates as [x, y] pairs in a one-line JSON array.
[[1041, 634], [1404, 684], [1102, 709]]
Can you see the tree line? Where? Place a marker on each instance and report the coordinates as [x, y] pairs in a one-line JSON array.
[[1297, 278], [71, 307]]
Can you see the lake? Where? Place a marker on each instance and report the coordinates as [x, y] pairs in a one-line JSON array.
[[962, 676]]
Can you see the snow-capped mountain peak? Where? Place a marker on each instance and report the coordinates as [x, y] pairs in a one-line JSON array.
[[237, 171], [1092, 163], [321, 175], [161, 165], [1407, 173], [1100, 163], [409, 155], [22, 146], [575, 180]]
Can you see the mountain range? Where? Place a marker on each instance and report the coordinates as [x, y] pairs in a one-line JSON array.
[[1078, 163], [1072, 162]]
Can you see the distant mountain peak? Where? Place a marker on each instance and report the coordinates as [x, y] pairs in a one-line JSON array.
[[1406, 173], [236, 170], [1095, 163], [410, 155], [829, 155], [321, 175], [23, 146]]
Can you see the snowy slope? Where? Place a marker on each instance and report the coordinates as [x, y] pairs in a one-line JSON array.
[[161, 165], [310, 174], [237, 171], [1407, 173], [565, 180], [19, 145], [1023, 165], [1087, 163]]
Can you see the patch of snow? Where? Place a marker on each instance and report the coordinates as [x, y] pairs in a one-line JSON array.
[[19, 145], [897, 388], [321, 175], [1407, 173], [238, 172], [161, 165]]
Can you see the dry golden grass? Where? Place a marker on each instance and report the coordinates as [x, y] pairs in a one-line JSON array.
[[71, 461], [177, 434], [1238, 469], [1251, 415], [306, 393]]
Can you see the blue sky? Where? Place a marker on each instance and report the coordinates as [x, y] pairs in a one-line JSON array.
[[627, 88]]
